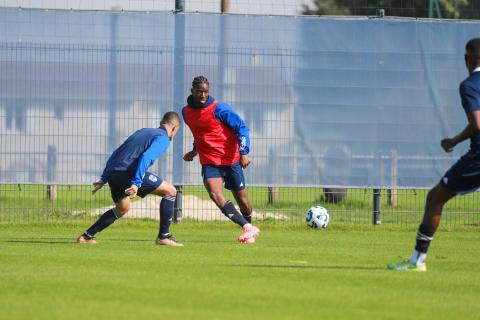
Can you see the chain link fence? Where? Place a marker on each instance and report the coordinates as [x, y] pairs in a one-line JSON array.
[[66, 102]]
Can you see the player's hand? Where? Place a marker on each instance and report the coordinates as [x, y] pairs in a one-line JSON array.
[[244, 161], [190, 155], [97, 186], [132, 191], [447, 145]]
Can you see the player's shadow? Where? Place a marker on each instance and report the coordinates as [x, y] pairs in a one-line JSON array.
[[39, 240], [295, 266]]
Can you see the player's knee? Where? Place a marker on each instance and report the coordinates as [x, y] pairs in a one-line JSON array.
[[171, 191], [120, 212], [122, 209]]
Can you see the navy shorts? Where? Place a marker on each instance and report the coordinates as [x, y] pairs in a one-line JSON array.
[[464, 176], [232, 175], [121, 180]]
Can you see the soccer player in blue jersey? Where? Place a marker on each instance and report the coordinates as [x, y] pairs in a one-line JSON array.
[[126, 174], [464, 176]]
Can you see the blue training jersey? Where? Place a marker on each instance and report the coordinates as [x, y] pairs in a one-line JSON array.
[[470, 95], [138, 153]]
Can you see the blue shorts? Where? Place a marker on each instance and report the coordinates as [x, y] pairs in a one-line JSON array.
[[232, 175], [121, 180], [464, 176]]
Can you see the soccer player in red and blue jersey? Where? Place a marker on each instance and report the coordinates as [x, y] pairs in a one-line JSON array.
[[126, 174], [464, 176], [222, 141]]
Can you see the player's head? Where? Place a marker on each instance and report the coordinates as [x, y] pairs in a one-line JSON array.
[[472, 54], [200, 87], [171, 122]]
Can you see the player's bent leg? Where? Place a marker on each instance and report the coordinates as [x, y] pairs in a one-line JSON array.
[[122, 207], [168, 192], [250, 232], [244, 203]]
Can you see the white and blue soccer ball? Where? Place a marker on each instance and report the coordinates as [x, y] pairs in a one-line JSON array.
[[317, 217]]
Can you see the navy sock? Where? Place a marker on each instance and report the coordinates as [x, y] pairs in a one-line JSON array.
[[231, 213], [424, 237], [248, 218], [166, 215], [105, 220]]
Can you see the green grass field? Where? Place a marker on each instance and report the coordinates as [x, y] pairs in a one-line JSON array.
[[290, 273]]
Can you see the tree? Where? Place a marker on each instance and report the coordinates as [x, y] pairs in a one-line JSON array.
[[450, 9]]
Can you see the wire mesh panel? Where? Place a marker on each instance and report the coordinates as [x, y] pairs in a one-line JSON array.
[[328, 106]]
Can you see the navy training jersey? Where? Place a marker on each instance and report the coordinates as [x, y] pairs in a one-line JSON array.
[[138, 153], [470, 95]]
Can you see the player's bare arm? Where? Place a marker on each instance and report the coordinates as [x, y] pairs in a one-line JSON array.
[[469, 131], [244, 161], [190, 155], [97, 186]]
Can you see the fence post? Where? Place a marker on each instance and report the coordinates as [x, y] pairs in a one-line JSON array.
[[272, 195], [392, 193], [177, 211], [377, 206], [51, 166]]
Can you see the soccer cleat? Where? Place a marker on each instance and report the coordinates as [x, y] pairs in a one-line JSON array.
[[407, 266], [168, 241], [83, 239], [249, 234]]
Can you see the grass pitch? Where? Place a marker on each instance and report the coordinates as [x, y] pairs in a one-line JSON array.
[[290, 273]]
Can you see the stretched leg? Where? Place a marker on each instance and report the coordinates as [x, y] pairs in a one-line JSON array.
[[244, 203], [214, 187], [109, 217]]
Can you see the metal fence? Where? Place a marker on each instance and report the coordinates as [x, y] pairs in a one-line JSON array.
[[325, 109], [283, 206]]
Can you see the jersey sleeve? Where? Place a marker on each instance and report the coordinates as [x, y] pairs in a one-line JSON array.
[[225, 114], [158, 147], [103, 177], [470, 96]]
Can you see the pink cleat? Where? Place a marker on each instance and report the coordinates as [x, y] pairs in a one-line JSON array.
[[249, 234]]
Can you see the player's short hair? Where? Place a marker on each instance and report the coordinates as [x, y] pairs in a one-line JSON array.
[[473, 47], [199, 80], [170, 117]]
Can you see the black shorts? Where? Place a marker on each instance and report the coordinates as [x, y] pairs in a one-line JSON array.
[[121, 180], [464, 176]]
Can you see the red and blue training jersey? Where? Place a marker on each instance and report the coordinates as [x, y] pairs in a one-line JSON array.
[[220, 135]]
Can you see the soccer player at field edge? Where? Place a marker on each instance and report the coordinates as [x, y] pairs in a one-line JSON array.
[[464, 176], [126, 174], [222, 141]]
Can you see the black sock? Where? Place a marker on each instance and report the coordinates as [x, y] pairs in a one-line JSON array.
[[248, 218], [231, 213], [105, 220], [166, 215], [424, 236]]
